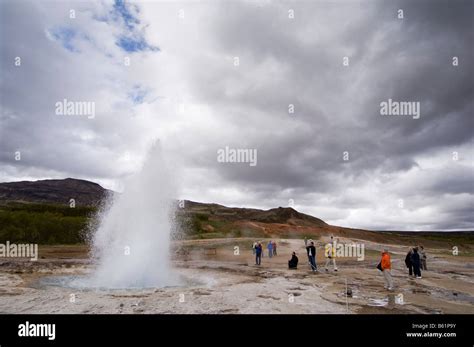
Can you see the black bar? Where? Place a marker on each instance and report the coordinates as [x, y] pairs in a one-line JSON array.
[[251, 330]]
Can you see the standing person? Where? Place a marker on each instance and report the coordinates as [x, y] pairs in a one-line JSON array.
[[258, 254], [408, 262], [386, 266], [423, 258], [415, 260], [274, 245], [254, 247], [305, 242], [331, 254], [293, 262], [270, 249], [311, 250]]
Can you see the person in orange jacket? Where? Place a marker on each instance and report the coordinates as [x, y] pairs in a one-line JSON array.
[[386, 265]]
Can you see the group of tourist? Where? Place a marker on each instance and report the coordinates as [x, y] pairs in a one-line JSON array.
[[257, 250], [415, 259], [330, 254]]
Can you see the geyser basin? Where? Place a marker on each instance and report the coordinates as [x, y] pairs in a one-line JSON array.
[[86, 282]]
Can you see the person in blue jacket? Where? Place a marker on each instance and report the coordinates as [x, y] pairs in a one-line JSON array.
[[270, 249]]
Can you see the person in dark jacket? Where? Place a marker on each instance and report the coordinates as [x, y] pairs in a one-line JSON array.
[[293, 262], [408, 262], [416, 262], [258, 254], [311, 250]]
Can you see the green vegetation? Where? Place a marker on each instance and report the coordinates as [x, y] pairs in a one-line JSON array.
[[60, 224], [44, 224]]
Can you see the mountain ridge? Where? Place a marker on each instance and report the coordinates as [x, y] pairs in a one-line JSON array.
[[54, 191], [88, 193]]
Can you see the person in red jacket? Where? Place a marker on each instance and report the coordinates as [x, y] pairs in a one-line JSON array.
[[386, 265]]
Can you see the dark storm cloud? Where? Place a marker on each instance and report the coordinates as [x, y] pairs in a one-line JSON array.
[[282, 61]]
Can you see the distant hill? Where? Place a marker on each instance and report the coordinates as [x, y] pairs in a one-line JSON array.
[[202, 220], [40, 211], [274, 215], [195, 220], [85, 193]]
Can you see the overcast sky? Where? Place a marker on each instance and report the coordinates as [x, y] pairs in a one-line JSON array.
[[183, 85]]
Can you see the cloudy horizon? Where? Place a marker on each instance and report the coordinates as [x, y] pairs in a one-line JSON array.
[[301, 85]]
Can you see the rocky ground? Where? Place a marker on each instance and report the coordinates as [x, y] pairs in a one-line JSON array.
[[221, 280]]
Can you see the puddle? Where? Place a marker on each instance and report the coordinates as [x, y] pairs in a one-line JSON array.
[[378, 302], [85, 282]]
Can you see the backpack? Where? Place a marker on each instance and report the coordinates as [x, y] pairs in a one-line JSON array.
[[408, 260]]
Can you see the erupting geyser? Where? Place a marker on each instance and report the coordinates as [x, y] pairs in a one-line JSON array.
[[131, 243]]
